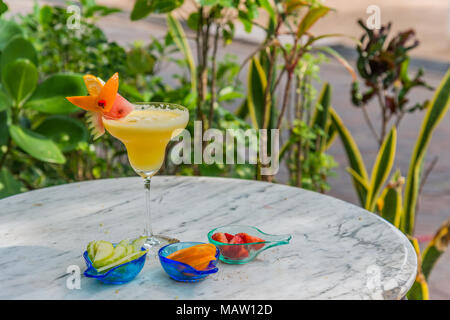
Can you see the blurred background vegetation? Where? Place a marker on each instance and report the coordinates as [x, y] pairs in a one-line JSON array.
[[44, 140]]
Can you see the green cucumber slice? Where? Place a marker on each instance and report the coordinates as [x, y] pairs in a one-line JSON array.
[[133, 256], [103, 251]]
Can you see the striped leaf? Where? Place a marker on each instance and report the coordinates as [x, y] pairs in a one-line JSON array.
[[419, 289], [354, 157], [436, 110], [257, 83], [180, 39], [435, 248], [381, 168], [331, 134], [362, 183], [321, 115], [310, 19], [392, 201]]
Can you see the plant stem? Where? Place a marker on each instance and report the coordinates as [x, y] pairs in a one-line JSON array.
[[213, 76], [8, 149], [287, 90], [382, 102], [267, 96], [369, 122]]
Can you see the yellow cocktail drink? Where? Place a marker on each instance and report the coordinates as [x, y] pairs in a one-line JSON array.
[[146, 133]]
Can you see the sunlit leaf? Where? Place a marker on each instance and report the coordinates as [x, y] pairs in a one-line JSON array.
[[18, 48], [20, 79], [381, 168], [50, 95], [8, 184], [8, 29], [36, 145], [436, 110], [66, 132]]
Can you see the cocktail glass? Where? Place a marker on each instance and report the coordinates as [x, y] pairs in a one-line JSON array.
[[145, 132]]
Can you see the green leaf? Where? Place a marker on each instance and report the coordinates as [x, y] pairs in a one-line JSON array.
[[193, 21], [270, 10], [228, 93], [360, 181], [180, 39], [242, 111], [36, 145], [257, 83], [66, 132], [4, 134], [381, 168], [103, 11], [339, 58], [46, 15], [8, 184], [5, 102], [331, 134], [139, 61], [50, 95], [310, 18], [18, 48], [353, 155], [131, 91], [143, 8], [3, 7], [436, 248], [436, 110], [321, 115], [419, 289], [8, 30], [392, 202], [20, 79]]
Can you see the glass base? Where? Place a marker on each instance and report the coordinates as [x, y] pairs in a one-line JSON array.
[[158, 241]]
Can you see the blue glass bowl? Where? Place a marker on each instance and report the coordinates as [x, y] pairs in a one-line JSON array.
[[180, 271], [122, 273]]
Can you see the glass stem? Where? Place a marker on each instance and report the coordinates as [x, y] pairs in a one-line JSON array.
[[148, 232]]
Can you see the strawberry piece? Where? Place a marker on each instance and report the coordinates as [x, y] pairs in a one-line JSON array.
[[219, 237], [251, 239], [235, 252], [229, 236]]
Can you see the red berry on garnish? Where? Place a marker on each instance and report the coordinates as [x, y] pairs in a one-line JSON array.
[[102, 103]]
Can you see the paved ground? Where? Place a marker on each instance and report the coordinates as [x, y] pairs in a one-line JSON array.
[[435, 201]]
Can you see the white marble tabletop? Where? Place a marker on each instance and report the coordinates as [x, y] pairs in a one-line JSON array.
[[337, 251]]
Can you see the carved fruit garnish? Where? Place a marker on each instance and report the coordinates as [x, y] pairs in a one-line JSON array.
[[103, 101], [198, 256]]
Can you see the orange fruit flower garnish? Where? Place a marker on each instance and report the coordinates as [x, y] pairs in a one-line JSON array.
[[101, 98]]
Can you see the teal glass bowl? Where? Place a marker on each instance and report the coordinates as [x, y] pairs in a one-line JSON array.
[[120, 274], [245, 252], [180, 271]]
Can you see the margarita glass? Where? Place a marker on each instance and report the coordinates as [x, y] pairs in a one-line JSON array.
[[145, 132]]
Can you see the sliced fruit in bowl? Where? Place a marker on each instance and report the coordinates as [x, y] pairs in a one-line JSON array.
[[239, 244], [189, 261], [117, 263]]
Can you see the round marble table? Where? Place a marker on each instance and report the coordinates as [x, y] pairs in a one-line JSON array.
[[337, 251]]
